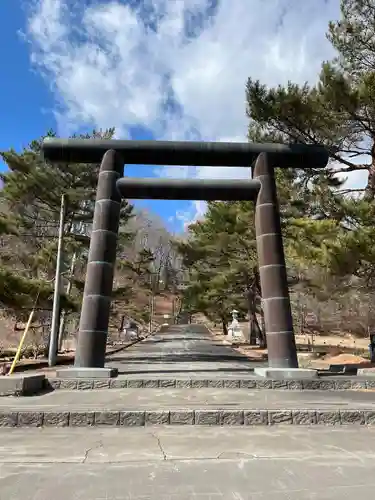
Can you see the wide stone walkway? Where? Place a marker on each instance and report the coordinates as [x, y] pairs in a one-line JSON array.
[[181, 351], [124, 453], [203, 398], [186, 351]]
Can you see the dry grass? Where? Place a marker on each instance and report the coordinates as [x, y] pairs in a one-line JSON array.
[[334, 344], [10, 332]]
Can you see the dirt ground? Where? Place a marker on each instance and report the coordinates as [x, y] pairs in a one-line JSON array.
[[334, 344], [9, 338]]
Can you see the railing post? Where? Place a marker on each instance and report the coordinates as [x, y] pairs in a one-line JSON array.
[[282, 352], [93, 327]]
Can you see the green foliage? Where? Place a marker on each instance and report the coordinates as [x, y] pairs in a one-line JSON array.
[[141, 266], [220, 256], [21, 293], [7, 225], [353, 37], [29, 218], [328, 230], [332, 230]]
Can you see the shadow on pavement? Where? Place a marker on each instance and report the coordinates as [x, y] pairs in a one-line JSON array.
[[182, 358], [166, 340], [189, 349], [192, 370]]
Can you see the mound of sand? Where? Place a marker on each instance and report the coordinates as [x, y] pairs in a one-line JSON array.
[[345, 359]]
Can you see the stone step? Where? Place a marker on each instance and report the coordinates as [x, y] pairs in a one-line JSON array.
[[141, 418], [31, 384], [208, 406], [334, 383]]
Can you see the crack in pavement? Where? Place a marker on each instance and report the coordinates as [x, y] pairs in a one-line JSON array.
[[160, 446], [228, 455], [243, 459], [95, 447]]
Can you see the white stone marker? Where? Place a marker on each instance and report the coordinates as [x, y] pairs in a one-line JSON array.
[[235, 333]]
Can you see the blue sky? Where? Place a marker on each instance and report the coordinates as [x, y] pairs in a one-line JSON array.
[[23, 95], [26, 104], [154, 69]]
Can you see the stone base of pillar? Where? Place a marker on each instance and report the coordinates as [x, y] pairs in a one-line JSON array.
[[366, 372], [286, 373], [76, 372]]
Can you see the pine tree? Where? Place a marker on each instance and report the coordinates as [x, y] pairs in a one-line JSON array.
[[221, 257], [334, 230], [29, 218]]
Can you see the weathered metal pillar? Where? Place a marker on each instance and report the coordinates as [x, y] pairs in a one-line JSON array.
[[282, 352], [93, 327]]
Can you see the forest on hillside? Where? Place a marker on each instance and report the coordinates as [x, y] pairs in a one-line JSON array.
[[328, 224], [30, 202]]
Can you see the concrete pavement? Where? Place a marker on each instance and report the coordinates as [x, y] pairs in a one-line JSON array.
[[107, 460], [183, 350], [153, 399], [201, 463]]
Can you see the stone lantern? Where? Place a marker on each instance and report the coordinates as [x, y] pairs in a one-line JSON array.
[[235, 332]]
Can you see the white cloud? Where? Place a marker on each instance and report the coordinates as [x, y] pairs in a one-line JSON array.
[[142, 63], [195, 213]]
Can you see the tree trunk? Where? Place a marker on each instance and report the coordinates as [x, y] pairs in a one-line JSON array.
[[258, 332], [262, 331], [224, 326], [252, 318], [258, 298], [370, 187]]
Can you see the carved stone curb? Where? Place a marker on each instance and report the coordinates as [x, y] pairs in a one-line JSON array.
[[140, 418], [292, 385]]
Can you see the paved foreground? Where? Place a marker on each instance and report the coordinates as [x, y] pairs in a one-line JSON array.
[[198, 463], [184, 462]]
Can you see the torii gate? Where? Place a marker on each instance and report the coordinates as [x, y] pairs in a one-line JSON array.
[[113, 154]]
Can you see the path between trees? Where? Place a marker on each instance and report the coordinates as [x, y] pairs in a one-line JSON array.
[[181, 350]]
